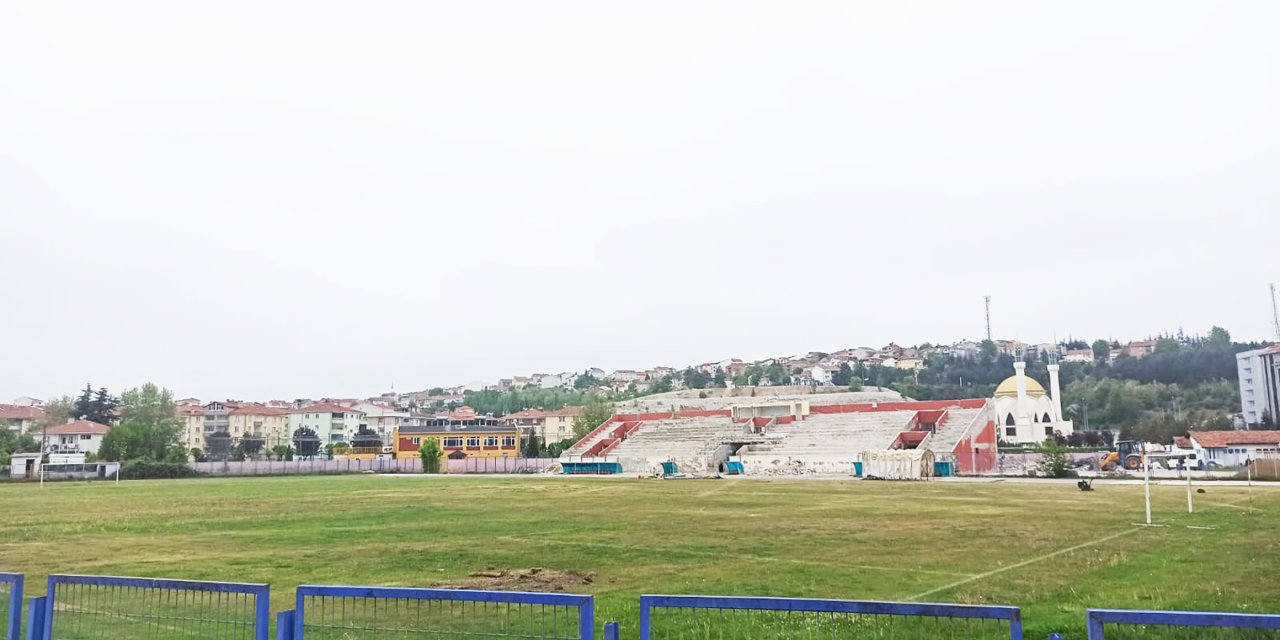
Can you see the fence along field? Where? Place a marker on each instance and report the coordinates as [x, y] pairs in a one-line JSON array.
[[1048, 549]]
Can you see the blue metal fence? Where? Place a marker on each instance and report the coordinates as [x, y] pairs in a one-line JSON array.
[[1122, 624], [338, 613], [10, 606], [108, 607], [724, 618]]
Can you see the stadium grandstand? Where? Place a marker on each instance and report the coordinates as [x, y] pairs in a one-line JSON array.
[[788, 437]]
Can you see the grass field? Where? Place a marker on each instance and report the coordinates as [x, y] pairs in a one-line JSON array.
[[1045, 547]]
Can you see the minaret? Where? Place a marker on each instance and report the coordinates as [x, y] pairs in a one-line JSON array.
[[1057, 392], [1020, 370]]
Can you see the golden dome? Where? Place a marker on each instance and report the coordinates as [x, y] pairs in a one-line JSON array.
[[1010, 388]]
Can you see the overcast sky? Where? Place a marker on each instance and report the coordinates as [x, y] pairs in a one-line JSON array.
[[270, 199]]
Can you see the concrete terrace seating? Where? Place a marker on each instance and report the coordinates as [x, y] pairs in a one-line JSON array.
[[678, 438], [945, 439], [836, 435]]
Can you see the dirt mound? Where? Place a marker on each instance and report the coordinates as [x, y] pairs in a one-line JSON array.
[[536, 579]]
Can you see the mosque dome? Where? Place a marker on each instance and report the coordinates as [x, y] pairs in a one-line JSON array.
[[1010, 388]]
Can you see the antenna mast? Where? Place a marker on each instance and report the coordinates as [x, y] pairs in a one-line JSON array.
[[988, 301], [1275, 312]]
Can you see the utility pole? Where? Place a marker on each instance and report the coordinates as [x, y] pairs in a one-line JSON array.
[[987, 299]]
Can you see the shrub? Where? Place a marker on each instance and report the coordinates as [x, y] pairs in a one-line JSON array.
[[430, 454], [1053, 460], [146, 469]]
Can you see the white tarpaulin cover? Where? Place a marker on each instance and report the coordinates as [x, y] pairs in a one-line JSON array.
[[897, 464]]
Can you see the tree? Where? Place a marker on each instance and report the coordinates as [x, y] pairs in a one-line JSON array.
[[366, 438], [1053, 460], [217, 445], [695, 378], [1165, 345], [148, 427], [252, 444], [104, 406], [533, 448], [718, 378], [57, 411], [1101, 350], [988, 350], [430, 454], [306, 443], [842, 376], [12, 442], [594, 413], [585, 381], [1219, 335], [282, 452]]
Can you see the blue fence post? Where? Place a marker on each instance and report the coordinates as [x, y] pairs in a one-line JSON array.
[[587, 621], [13, 630], [645, 603], [35, 618], [611, 631], [262, 616], [1094, 623], [284, 625]]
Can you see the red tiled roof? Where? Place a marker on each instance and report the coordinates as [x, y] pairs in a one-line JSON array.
[[567, 412], [78, 427], [525, 413], [1218, 439], [1182, 442], [190, 410], [257, 410], [17, 412], [324, 407]]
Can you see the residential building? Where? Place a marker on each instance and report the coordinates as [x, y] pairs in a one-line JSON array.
[[217, 417], [382, 418], [192, 417], [624, 375], [1259, 374], [822, 373], [1234, 448], [269, 423], [549, 426], [1078, 355], [77, 436], [1140, 348], [28, 401], [20, 418], [332, 423], [910, 363]]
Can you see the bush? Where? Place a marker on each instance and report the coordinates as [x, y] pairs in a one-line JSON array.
[[430, 454], [145, 469], [1053, 460]]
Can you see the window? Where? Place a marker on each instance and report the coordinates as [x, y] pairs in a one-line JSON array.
[[491, 441], [1048, 431], [473, 442], [417, 440], [1011, 431], [509, 441], [453, 442], [85, 436]]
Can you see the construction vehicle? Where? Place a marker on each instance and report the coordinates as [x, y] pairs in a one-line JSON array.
[[1128, 454]]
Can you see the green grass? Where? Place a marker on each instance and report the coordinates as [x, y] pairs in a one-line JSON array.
[[928, 541]]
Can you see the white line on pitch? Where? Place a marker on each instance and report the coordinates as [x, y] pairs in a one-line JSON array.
[[1024, 563]]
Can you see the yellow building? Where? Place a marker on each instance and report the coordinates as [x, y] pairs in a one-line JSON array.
[[192, 417], [269, 423], [461, 435]]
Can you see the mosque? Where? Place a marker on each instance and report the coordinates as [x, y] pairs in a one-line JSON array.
[[1025, 412]]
